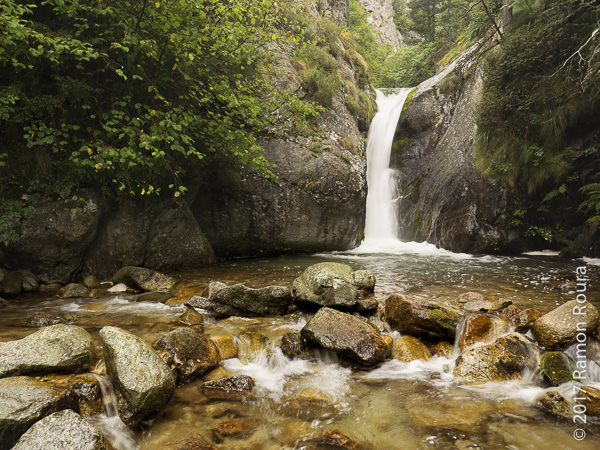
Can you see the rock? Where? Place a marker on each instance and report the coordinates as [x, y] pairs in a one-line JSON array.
[[557, 367], [251, 345], [481, 328], [364, 280], [24, 402], [443, 348], [337, 439], [212, 288], [88, 392], [3, 303], [145, 279], [118, 288], [142, 381], [57, 348], [226, 345], [293, 345], [504, 359], [212, 306], [192, 317], [554, 403], [381, 19], [560, 327], [73, 290], [421, 318], [63, 430], [409, 348], [239, 383], [346, 334], [234, 428], [310, 403], [52, 240], [267, 301], [193, 353], [327, 284], [522, 321], [476, 302], [91, 282], [150, 297], [11, 283], [592, 400], [450, 413], [29, 281], [196, 442], [42, 319], [366, 307]]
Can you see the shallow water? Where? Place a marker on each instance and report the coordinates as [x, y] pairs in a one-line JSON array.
[[396, 405]]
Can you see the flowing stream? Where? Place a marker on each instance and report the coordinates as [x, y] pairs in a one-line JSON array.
[[416, 405]]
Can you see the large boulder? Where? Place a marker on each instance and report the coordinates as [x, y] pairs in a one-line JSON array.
[[24, 402], [142, 380], [421, 318], [192, 353], [63, 430], [267, 301], [347, 335], [560, 327], [330, 284], [504, 359], [57, 348], [144, 279]]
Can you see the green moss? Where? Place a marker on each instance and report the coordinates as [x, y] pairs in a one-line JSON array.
[[556, 367], [446, 319], [406, 104]]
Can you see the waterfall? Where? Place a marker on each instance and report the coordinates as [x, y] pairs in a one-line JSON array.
[[381, 225]]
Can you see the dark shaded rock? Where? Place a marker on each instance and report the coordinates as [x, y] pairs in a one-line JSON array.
[[91, 282], [212, 306], [476, 302], [557, 367], [63, 430], [592, 400], [42, 319], [24, 402], [73, 290], [504, 359], [293, 345], [327, 284], [29, 281], [267, 301], [193, 353], [143, 382], [11, 283], [52, 240], [559, 327], [226, 345], [522, 321], [192, 317], [346, 334], [368, 306], [58, 348], [554, 403], [87, 391], [144, 279], [409, 348], [421, 318], [3, 303]]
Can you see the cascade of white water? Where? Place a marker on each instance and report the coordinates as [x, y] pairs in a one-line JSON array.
[[381, 224]]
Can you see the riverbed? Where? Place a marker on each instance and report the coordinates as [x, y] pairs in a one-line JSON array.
[[393, 406]]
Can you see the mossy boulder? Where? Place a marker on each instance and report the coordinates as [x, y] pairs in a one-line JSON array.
[[346, 334], [57, 348], [142, 380], [560, 327], [267, 301], [507, 358], [557, 367], [327, 284], [364, 280], [409, 348], [410, 315]]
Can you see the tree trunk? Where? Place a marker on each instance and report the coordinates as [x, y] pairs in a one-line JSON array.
[[507, 14]]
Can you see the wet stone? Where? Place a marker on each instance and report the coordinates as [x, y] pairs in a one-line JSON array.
[[144, 279], [367, 306], [73, 290], [522, 321], [337, 439], [308, 404], [559, 327], [592, 400], [409, 348], [226, 345], [251, 345], [212, 306], [42, 319], [481, 328], [476, 302], [294, 346], [91, 282], [234, 428], [239, 383], [191, 317], [557, 367], [554, 403], [442, 348]]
